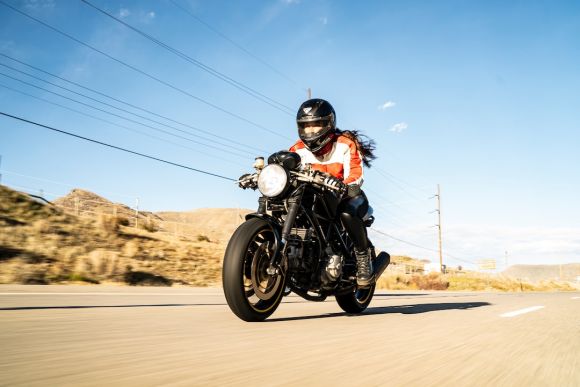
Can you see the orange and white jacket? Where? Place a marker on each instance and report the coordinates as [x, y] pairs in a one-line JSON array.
[[342, 161]]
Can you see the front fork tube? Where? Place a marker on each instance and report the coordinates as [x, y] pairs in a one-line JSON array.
[[293, 207]]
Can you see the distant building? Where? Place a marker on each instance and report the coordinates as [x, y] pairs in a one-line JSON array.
[[407, 265]]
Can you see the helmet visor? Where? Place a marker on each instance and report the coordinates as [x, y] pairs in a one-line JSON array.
[[312, 129]]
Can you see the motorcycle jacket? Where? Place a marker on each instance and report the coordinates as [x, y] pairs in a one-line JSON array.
[[340, 158]]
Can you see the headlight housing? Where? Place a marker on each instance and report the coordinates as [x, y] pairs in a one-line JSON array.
[[273, 180]]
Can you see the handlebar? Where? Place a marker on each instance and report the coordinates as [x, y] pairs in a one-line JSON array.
[[316, 177], [309, 176]]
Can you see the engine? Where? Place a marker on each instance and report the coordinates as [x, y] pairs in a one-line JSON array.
[[332, 269]]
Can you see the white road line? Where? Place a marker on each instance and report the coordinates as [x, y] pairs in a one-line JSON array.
[[109, 294], [521, 311]]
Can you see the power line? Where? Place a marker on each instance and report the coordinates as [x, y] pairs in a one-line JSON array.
[[126, 103], [122, 110], [61, 183], [30, 190], [182, 91], [215, 30], [398, 184], [117, 125], [117, 147], [240, 86], [119, 116], [401, 240], [382, 198], [419, 246], [403, 181]]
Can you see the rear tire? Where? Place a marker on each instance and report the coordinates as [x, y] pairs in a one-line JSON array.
[[357, 301], [246, 258]]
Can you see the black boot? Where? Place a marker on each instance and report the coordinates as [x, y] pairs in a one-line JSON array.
[[364, 270]]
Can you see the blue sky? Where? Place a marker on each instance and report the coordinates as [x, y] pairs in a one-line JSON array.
[[481, 97]]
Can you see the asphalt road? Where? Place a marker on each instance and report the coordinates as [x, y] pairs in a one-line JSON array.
[[96, 335]]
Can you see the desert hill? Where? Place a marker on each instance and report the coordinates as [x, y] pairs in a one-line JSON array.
[[214, 224], [218, 224], [536, 273], [42, 243], [84, 237], [80, 201]]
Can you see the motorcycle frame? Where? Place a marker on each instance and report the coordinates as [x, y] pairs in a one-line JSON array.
[[281, 229]]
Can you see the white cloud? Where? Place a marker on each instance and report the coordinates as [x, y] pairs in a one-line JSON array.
[[386, 105], [124, 12], [398, 128]]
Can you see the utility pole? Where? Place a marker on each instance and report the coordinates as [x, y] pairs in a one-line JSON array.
[[439, 226], [309, 93], [136, 212]]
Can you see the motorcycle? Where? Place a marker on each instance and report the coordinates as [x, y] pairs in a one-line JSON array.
[[295, 242]]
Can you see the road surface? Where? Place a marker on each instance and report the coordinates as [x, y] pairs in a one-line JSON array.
[[125, 336]]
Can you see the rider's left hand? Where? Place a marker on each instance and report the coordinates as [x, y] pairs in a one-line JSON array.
[[334, 183]]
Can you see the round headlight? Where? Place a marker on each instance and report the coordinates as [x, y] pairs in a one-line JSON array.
[[272, 180]]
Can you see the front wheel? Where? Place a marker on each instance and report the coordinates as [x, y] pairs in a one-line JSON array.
[[357, 301], [252, 294]]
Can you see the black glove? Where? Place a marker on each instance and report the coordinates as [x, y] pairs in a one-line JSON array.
[[247, 181], [353, 190], [334, 183]]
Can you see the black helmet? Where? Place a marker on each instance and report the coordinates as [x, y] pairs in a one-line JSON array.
[[319, 114]]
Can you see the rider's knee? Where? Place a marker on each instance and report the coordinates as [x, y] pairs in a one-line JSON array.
[[357, 206]]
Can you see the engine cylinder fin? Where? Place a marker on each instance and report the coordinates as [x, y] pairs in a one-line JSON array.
[[301, 232]]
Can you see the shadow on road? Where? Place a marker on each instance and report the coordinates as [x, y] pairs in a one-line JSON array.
[[403, 309], [101, 306], [401, 294], [127, 306]]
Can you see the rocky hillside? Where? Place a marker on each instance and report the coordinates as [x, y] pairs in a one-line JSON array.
[[218, 224], [40, 243], [81, 202]]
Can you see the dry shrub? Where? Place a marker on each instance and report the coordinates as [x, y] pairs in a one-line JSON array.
[[148, 225], [203, 238], [79, 277], [112, 223], [42, 226], [32, 276], [143, 278], [130, 249], [431, 281], [395, 282]]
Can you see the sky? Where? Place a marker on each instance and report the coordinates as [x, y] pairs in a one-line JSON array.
[[480, 97]]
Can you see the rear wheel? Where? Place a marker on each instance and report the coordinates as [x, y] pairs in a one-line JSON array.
[[357, 301], [252, 294]]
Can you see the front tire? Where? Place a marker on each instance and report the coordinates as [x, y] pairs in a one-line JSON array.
[[357, 301], [245, 261]]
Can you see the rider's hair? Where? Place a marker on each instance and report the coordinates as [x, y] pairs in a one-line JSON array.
[[365, 145]]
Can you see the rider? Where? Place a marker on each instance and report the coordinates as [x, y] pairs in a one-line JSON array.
[[341, 154]]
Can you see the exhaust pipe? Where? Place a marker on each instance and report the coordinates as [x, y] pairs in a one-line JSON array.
[[380, 264]]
